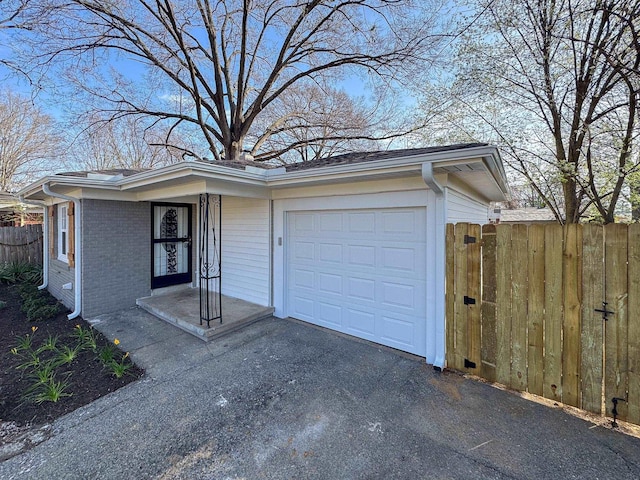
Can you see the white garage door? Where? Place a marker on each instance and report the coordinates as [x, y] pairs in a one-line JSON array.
[[360, 272]]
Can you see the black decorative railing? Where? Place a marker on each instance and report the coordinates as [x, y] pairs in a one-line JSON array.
[[210, 258]]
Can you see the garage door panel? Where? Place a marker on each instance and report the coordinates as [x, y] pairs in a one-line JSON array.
[[361, 222], [361, 323], [303, 279], [330, 222], [361, 255], [329, 315], [303, 250], [399, 332], [302, 307], [399, 223], [330, 252], [398, 258], [361, 288], [399, 295], [360, 272], [304, 223], [330, 283]]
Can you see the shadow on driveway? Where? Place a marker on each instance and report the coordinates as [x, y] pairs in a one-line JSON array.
[[281, 399]]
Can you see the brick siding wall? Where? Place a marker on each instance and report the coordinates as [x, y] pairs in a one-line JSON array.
[[116, 255]]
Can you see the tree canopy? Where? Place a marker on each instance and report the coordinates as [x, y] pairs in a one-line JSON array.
[[254, 76], [556, 84]]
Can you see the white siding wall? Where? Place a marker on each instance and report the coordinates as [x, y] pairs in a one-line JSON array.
[[245, 249], [461, 208]]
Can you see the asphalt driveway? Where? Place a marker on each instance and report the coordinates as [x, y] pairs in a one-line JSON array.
[[280, 400]]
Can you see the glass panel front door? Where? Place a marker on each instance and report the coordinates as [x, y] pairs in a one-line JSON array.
[[171, 244]]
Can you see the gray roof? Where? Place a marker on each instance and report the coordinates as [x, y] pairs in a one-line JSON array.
[[358, 157], [125, 172], [344, 159], [527, 215]]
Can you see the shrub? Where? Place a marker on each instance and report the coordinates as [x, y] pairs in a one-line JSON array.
[[38, 304], [20, 273]]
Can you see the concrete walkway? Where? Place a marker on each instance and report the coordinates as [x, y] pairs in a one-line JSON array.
[[281, 400]]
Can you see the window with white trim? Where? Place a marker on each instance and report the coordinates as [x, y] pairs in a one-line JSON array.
[[63, 233]]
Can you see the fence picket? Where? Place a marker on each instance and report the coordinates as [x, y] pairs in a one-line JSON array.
[[552, 386], [633, 310], [519, 292], [572, 294], [488, 340], [503, 307], [460, 289], [474, 291], [535, 309], [616, 339], [592, 323]]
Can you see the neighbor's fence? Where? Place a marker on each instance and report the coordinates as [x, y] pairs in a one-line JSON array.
[[21, 244], [525, 309]]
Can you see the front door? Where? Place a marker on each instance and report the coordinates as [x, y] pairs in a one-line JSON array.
[[171, 244]]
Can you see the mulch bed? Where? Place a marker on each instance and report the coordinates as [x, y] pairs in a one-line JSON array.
[[88, 378]]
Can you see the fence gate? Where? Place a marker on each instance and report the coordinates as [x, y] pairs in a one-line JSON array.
[[548, 309]]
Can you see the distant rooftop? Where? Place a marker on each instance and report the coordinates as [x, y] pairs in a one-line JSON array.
[[527, 215]]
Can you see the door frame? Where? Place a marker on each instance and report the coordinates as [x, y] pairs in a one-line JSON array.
[[181, 278]]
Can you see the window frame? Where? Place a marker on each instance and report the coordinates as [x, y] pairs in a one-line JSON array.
[[63, 228]]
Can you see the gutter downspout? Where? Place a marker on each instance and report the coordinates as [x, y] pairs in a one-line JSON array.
[[436, 259], [78, 253], [45, 240]]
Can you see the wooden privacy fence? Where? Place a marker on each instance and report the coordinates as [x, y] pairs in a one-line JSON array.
[[524, 308], [21, 244]]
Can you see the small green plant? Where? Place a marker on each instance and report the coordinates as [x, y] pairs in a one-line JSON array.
[[67, 354], [120, 368], [42, 374], [33, 360], [3, 304], [49, 345], [50, 391], [86, 337], [106, 354], [24, 343]]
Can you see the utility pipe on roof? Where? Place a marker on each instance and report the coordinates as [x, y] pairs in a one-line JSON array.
[[45, 240], [78, 253]]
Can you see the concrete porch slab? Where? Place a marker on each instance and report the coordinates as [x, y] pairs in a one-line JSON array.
[[181, 308]]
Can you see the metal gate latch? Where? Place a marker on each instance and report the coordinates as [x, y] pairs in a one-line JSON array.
[[605, 313], [614, 411]]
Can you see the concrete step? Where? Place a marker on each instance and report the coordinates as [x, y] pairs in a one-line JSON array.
[[181, 309]]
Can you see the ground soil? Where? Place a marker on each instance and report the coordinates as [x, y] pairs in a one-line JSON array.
[[88, 379]]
